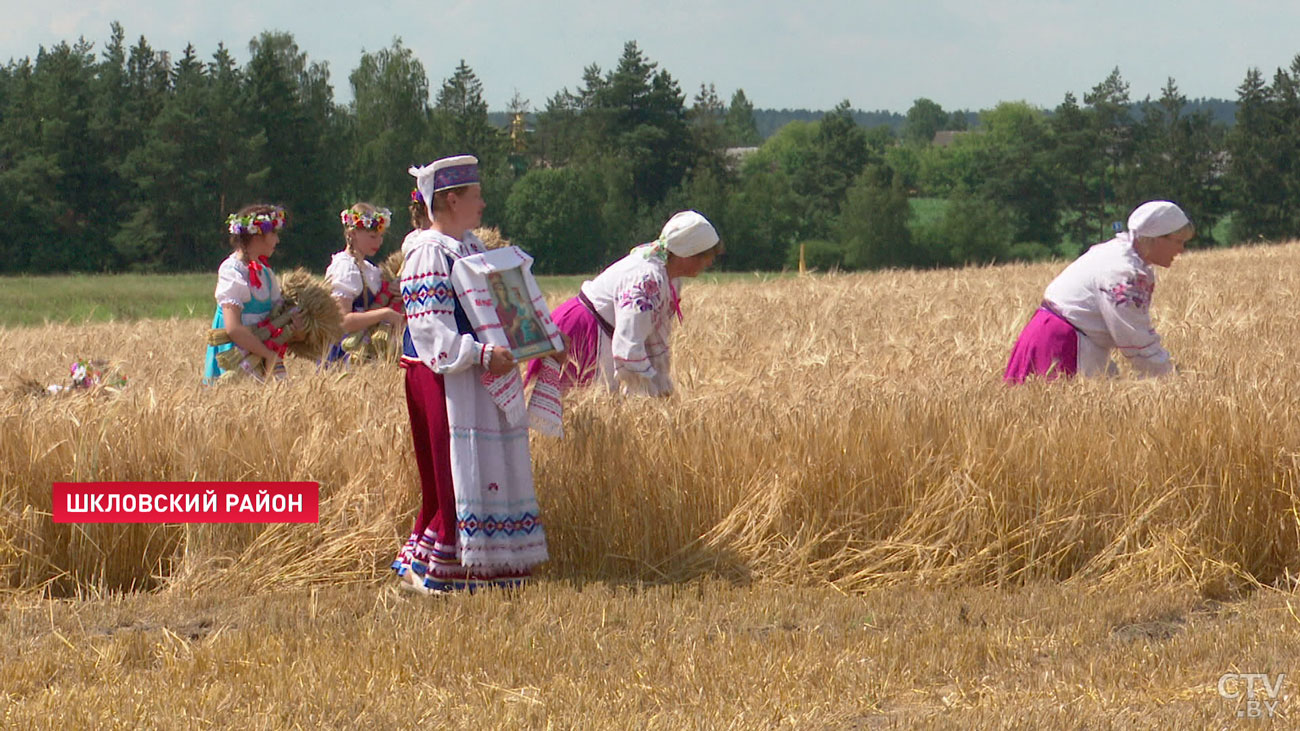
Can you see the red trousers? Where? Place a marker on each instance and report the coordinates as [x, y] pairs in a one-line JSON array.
[[426, 403]]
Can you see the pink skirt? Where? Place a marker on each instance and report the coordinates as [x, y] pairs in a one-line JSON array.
[[580, 324], [1048, 347]]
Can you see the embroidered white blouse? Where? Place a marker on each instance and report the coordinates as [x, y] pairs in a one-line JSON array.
[[1106, 295], [346, 278], [636, 296], [429, 300], [233, 288]]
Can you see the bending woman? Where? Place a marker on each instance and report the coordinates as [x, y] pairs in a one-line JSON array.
[[1101, 302], [619, 324]]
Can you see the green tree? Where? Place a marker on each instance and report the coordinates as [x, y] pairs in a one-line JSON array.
[[1015, 159], [924, 119], [237, 144], [549, 214], [972, 231], [1255, 170], [390, 112], [58, 177], [1080, 170], [706, 120], [290, 102], [761, 221], [742, 130], [462, 114], [1177, 157], [559, 129], [841, 150], [873, 228], [1112, 129], [641, 110]]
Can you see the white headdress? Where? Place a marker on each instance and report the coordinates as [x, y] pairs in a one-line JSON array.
[[1156, 218], [449, 172]]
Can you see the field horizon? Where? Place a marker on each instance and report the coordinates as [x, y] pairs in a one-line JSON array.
[[842, 519]]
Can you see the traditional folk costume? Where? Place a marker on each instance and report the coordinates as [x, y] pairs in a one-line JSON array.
[[620, 323], [354, 281], [358, 280], [1099, 303], [250, 285], [479, 520]]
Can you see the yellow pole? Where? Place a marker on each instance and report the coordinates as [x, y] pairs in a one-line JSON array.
[[803, 268]]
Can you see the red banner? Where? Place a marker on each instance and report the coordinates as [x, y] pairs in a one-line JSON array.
[[186, 502]]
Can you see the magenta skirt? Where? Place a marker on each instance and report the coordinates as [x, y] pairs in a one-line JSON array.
[[1048, 347], [574, 319]]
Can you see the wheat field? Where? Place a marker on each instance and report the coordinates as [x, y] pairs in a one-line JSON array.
[[836, 442]]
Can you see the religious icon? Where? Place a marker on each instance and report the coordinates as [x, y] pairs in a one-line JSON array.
[[504, 304], [519, 321]]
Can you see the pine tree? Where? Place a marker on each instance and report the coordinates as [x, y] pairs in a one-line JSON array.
[[742, 131], [463, 115], [390, 111]]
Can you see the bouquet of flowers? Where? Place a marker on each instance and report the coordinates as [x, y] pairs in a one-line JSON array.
[[85, 375]]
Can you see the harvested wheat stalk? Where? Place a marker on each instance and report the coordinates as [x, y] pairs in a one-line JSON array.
[[320, 326]]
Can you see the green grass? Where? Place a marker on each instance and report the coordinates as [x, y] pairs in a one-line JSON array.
[[81, 298], [926, 211]]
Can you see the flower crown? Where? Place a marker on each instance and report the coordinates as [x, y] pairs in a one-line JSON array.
[[256, 223], [92, 373], [376, 220]]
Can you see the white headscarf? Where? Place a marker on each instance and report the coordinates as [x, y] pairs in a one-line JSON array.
[[688, 233], [1156, 218]]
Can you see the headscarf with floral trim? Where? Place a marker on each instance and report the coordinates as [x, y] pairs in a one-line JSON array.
[[657, 249], [256, 223], [687, 233], [376, 220]]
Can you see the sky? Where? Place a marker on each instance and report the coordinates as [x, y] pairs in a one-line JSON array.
[[811, 54]]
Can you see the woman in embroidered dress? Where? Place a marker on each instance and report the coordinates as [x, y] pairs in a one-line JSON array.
[[355, 282], [1101, 302], [619, 324], [247, 288], [478, 522]]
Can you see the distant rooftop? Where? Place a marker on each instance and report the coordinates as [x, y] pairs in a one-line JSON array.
[[946, 137]]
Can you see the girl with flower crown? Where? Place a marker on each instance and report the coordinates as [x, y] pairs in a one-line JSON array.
[[364, 297], [619, 324], [247, 288]]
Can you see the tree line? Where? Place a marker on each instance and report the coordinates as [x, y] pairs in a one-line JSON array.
[[128, 159]]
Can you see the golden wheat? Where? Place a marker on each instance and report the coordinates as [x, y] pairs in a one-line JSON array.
[[850, 429]]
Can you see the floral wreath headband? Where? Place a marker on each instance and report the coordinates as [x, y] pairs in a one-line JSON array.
[[376, 220], [256, 223]]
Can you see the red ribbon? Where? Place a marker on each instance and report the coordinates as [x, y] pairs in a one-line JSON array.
[[385, 298], [254, 267], [273, 332], [677, 301]]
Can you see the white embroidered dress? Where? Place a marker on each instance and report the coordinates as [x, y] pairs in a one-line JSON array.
[[499, 526], [1106, 295], [348, 279], [636, 296]]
